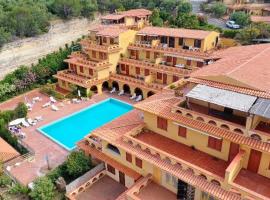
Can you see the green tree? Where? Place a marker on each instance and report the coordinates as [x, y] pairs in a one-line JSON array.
[[187, 21], [218, 9], [77, 163], [4, 36], [43, 189], [184, 7], [21, 110], [66, 8], [240, 18], [246, 35], [88, 7], [155, 18]]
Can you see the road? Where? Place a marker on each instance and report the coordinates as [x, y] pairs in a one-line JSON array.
[[29, 50], [211, 20]]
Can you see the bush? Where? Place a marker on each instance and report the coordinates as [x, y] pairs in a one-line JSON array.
[[218, 9], [21, 110], [77, 163], [18, 189], [5, 181], [230, 33], [44, 189], [240, 18], [50, 90]]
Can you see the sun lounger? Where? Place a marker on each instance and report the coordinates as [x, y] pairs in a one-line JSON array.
[[39, 118], [54, 108], [25, 124], [139, 98], [121, 93], [31, 122], [133, 96], [76, 100], [35, 99], [46, 105], [52, 99], [113, 90]]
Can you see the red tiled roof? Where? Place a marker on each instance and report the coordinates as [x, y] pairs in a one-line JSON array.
[[249, 66], [161, 104], [129, 13], [108, 30], [101, 156], [7, 152], [174, 32], [231, 88]]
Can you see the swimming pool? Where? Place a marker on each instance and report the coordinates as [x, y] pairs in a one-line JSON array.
[[71, 129]]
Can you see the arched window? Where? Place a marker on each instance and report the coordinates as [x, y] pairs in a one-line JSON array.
[[113, 148]]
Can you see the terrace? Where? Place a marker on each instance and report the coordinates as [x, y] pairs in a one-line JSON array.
[[89, 45], [196, 159]]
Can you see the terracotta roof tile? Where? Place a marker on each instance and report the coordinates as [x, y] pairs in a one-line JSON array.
[[7, 152], [128, 13], [174, 32], [260, 19], [108, 30], [248, 66]]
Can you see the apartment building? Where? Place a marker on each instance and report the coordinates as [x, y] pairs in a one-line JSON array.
[[205, 138]]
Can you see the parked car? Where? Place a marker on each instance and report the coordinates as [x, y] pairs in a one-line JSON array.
[[232, 25]]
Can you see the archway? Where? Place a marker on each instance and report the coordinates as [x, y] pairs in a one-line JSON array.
[[115, 85], [105, 85], [126, 88], [138, 91], [113, 148], [150, 93], [94, 89]]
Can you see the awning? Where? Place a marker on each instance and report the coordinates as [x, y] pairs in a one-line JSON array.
[[222, 97], [261, 108]]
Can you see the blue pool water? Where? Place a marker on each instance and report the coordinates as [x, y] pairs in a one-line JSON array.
[[71, 129]]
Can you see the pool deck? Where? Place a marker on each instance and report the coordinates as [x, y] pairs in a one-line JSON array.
[[26, 172]]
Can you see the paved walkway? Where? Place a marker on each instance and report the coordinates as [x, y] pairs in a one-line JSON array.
[[28, 171]]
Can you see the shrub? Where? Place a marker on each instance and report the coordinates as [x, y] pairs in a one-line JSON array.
[[49, 89], [218, 9], [229, 33], [21, 110], [77, 163], [44, 189], [5, 181], [240, 18], [18, 189]]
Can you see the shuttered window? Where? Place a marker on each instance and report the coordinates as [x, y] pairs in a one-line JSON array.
[[91, 72], [129, 157], [182, 131], [162, 123], [214, 143], [137, 70], [147, 54], [188, 62], [159, 76], [81, 69], [138, 162], [146, 72], [110, 169], [123, 68]]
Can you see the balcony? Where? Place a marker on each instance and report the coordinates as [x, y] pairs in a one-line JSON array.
[[155, 67], [187, 54], [76, 79], [212, 117], [199, 161], [89, 45], [137, 82]]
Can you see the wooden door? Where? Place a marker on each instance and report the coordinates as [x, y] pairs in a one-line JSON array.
[[127, 70], [234, 149], [254, 160], [164, 78], [174, 61], [122, 178], [137, 55]]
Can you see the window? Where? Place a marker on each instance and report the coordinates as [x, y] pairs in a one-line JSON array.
[[159, 76], [100, 55], [113, 148], [137, 70], [188, 62], [133, 53], [138, 162], [162, 123], [181, 41], [182, 131], [111, 40], [214, 143], [156, 54], [104, 39], [91, 72], [199, 64], [146, 72], [123, 67], [147, 54], [197, 43], [81, 69], [94, 54], [164, 39], [128, 157], [169, 59], [110, 169], [175, 78]]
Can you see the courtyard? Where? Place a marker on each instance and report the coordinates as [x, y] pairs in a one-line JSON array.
[[46, 152]]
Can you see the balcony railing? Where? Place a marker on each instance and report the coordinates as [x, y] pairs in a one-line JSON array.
[[157, 67], [137, 82], [93, 45]]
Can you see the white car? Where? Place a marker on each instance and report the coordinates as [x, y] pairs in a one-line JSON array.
[[232, 25]]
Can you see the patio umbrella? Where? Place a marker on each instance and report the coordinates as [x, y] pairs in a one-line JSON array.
[[79, 93]]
